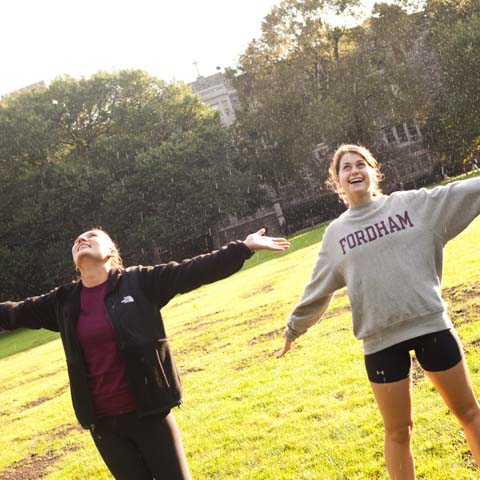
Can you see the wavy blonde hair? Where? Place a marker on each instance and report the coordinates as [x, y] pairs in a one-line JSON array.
[[332, 180]]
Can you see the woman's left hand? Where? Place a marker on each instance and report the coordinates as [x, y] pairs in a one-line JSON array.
[[259, 241]]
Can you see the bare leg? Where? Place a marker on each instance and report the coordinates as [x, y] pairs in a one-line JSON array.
[[455, 387], [395, 403]]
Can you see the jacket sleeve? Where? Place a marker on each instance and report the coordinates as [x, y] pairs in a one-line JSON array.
[[35, 312], [316, 296], [449, 209], [163, 282]]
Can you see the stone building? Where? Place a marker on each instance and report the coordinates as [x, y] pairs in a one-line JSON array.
[[215, 91]]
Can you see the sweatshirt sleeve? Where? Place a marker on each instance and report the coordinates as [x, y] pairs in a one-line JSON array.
[[449, 209], [316, 296], [163, 282]]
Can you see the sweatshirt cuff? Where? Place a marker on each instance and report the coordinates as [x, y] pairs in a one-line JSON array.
[[291, 334], [245, 249]]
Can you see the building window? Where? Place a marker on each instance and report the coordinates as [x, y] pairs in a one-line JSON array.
[[401, 134], [226, 106], [389, 136], [413, 132]]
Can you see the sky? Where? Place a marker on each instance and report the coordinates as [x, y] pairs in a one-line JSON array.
[[43, 39]]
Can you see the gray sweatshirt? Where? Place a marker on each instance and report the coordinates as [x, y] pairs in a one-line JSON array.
[[389, 254]]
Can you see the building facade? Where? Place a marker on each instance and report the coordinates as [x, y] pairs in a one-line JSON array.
[[215, 91]]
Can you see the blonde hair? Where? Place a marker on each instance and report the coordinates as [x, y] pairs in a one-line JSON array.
[[115, 260], [332, 180]]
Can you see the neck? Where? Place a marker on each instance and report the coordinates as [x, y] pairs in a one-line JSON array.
[[93, 274], [359, 200]]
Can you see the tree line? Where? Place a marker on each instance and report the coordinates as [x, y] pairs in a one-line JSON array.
[[144, 159], [150, 163], [310, 78]]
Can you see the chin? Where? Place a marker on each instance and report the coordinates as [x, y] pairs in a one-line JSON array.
[[83, 254]]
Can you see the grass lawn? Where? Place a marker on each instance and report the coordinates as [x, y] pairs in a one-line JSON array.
[[247, 415]]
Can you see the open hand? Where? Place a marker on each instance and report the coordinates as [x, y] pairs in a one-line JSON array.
[[286, 347], [260, 241]]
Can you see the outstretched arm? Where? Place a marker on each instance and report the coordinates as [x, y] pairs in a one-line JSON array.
[[34, 312], [448, 209], [315, 298], [162, 282], [260, 241]]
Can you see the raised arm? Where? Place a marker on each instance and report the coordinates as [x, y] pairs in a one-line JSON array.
[[449, 209], [35, 312], [163, 282]]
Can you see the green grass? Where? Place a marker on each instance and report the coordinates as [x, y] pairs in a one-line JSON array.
[[297, 242], [247, 415], [21, 340]]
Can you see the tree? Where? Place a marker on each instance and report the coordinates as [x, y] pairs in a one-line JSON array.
[[144, 159], [453, 127], [308, 81]]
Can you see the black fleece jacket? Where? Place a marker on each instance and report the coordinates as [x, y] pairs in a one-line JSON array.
[[133, 302]]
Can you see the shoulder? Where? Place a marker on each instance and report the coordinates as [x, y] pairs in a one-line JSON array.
[[332, 231], [53, 297], [129, 275], [65, 290], [408, 196]]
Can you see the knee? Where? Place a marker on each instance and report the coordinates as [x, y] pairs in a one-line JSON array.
[[401, 433], [468, 414]]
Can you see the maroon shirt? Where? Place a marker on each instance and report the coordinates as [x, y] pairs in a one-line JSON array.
[[106, 371]]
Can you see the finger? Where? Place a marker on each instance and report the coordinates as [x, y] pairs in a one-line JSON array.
[[280, 245], [285, 349], [283, 244], [261, 232], [281, 353]]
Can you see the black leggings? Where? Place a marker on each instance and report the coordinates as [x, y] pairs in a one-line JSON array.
[[435, 352], [141, 448]]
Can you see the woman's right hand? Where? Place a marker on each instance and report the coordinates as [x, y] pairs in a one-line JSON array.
[[286, 347]]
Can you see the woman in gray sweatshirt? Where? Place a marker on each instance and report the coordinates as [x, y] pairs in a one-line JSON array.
[[388, 252]]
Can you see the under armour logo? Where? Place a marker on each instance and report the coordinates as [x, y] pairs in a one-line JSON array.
[[127, 299], [381, 373]]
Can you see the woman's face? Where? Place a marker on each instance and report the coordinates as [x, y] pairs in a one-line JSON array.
[[93, 244], [356, 178]]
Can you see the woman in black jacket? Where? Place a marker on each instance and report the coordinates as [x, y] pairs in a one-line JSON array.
[[123, 378]]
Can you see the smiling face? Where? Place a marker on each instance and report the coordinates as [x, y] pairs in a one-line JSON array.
[[359, 178], [95, 245], [355, 179]]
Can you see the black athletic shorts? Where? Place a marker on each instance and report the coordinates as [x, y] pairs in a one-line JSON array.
[[435, 352]]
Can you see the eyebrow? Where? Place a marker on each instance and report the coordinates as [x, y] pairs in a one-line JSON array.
[[349, 162]]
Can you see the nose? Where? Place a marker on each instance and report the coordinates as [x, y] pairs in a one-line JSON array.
[[81, 239]]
